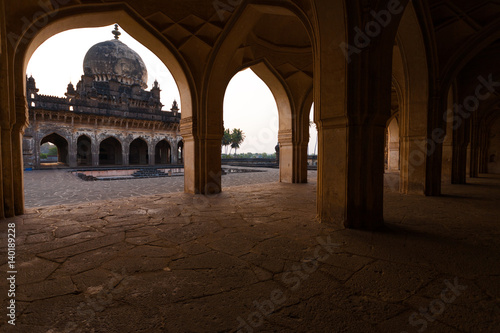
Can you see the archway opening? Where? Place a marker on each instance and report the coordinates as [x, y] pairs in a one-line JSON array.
[[110, 152], [163, 153], [84, 151], [410, 97], [312, 148], [180, 152], [392, 163], [249, 105], [83, 30], [62, 154], [138, 152]]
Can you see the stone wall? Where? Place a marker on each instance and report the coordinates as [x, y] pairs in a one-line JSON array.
[[82, 137]]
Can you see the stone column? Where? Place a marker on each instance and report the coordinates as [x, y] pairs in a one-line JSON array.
[[7, 172], [352, 105], [447, 148], [468, 160], [72, 152], [461, 139], [151, 153], [459, 172], [483, 150], [95, 146], [474, 148], [202, 158], [17, 154], [125, 154], [173, 153], [292, 160], [413, 164], [287, 160]]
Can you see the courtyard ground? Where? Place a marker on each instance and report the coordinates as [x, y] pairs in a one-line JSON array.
[[58, 186], [254, 258]]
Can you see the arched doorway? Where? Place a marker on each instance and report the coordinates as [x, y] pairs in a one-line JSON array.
[[163, 153], [138, 152], [180, 152], [82, 16], [249, 105], [84, 151], [110, 152], [62, 155], [392, 146]]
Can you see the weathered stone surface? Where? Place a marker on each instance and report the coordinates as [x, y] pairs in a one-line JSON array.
[[202, 278], [46, 289]]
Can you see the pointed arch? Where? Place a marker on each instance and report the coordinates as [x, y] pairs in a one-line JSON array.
[[415, 103], [110, 151], [62, 145], [84, 150], [82, 16], [163, 152], [138, 152]]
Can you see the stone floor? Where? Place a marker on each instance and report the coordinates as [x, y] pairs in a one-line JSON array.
[[255, 259], [58, 186]]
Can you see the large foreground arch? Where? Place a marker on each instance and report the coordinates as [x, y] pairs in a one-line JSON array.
[[229, 59], [33, 35]]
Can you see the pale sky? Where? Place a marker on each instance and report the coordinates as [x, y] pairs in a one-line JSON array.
[[248, 103]]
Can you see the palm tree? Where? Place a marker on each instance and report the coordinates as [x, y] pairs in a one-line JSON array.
[[237, 138], [226, 138]]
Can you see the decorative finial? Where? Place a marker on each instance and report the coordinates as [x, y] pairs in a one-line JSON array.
[[116, 32], [175, 106]]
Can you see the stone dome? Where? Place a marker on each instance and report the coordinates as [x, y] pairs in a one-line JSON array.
[[115, 60]]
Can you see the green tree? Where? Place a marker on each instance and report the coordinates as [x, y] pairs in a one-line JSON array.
[[237, 137], [226, 139], [52, 151]]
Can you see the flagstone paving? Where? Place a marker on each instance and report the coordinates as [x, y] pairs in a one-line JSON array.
[[255, 259], [58, 186]]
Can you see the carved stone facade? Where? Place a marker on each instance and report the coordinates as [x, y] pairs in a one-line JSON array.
[[109, 119]]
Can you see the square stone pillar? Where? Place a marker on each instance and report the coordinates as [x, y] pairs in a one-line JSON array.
[[72, 152], [18, 169], [7, 172], [95, 152], [125, 154], [413, 165], [202, 159], [459, 165], [350, 174]]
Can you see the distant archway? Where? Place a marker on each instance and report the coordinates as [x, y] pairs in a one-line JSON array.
[[110, 152], [84, 151], [138, 153], [180, 152], [62, 148], [163, 153], [392, 146]]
